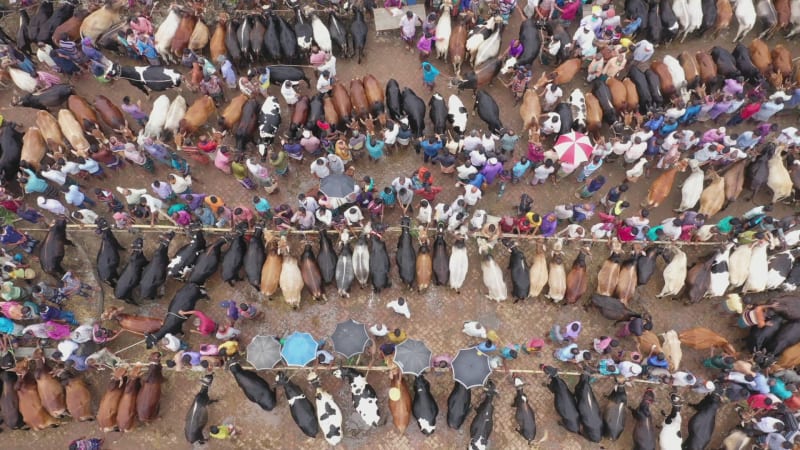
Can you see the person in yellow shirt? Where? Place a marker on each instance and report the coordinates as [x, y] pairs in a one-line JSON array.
[[228, 348], [222, 431], [397, 336]]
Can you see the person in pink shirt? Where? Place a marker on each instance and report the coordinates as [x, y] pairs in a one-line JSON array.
[[205, 325], [222, 160], [318, 57], [243, 214], [182, 218], [424, 45]]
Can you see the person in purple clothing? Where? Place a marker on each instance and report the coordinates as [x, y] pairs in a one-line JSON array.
[[134, 110], [424, 45], [194, 200], [733, 86], [92, 53], [491, 170], [515, 48], [549, 225]]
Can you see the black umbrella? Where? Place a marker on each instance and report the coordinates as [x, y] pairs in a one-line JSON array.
[[412, 356], [264, 352], [350, 338], [337, 185], [471, 367]]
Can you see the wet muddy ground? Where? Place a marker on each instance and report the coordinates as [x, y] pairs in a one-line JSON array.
[[436, 315]]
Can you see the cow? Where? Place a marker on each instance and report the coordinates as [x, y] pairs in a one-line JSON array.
[[147, 78]]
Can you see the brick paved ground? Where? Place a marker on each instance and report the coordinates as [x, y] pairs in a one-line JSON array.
[[436, 314]]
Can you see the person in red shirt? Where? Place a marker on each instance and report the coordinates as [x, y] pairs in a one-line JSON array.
[[428, 192], [745, 113], [205, 325], [205, 144], [507, 224], [524, 225], [761, 402], [626, 233]]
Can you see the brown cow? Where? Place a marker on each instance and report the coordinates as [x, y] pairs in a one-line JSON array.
[[199, 38], [563, 74], [457, 47], [530, 109], [341, 101], [662, 186], [782, 60], [358, 97], [619, 95], [184, 32], [329, 111], [217, 43], [72, 130], [30, 405], [690, 70], [48, 126], [594, 114], [631, 95], [232, 113], [299, 115], [375, 93], [34, 147], [724, 16], [112, 116], [759, 54], [101, 20], [197, 115], [72, 27], [666, 85], [83, 112], [706, 67], [784, 12]]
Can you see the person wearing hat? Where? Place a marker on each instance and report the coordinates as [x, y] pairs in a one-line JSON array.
[[324, 82], [491, 170], [642, 51], [584, 42], [289, 94], [330, 66], [311, 144]]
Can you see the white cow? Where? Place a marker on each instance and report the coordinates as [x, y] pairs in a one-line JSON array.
[[443, 29], [746, 15], [165, 33]]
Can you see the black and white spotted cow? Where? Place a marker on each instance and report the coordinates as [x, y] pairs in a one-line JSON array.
[[365, 400], [329, 415], [147, 78], [269, 120], [670, 436]]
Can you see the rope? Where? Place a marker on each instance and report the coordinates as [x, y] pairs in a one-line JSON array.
[[212, 230], [330, 368]]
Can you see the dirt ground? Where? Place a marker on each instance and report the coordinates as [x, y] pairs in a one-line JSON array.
[[436, 315]]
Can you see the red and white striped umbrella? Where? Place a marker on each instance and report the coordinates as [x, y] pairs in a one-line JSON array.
[[573, 148]]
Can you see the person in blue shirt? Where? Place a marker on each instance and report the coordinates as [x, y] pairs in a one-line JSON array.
[[32, 183], [487, 346], [429, 74], [206, 216], [431, 147], [389, 197], [261, 205], [520, 169], [374, 147], [658, 360], [146, 49], [477, 180]]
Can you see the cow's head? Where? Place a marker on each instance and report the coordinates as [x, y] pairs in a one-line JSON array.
[[114, 71]]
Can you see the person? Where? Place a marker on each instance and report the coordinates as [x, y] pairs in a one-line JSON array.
[[86, 444], [425, 45], [429, 74], [222, 431], [146, 48], [324, 82], [408, 27], [289, 93], [134, 110], [330, 66], [263, 82], [213, 88], [226, 69], [374, 147], [518, 84]]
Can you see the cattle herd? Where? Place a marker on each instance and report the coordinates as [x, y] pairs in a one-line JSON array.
[[35, 394]]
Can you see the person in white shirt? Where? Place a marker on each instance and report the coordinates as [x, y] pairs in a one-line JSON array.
[[56, 176], [85, 216], [353, 216], [324, 82], [132, 196], [621, 145], [424, 213], [477, 158], [672, 228], [69, 167], [319, 168], [573, 231], [455, 221], [289, 94], [551, 123], [552, 95], [400, 183], [635, 151], [472, 141], [390, 134], [584, 40], [464, 171], [471, 195], [675, 113], [687, 139], [563, 211], [457, 206], [788, 136], [51, 205], [441, 212], [488, 142], [308, 202], [542, 172], [629, 369], [330, 66], [180, 185], [324, 215]]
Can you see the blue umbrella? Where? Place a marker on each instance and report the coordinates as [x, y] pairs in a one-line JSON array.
[[299, 349]]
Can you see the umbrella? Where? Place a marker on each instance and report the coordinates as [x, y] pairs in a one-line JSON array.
[[573, 148], [337, 185], [471, 367], [350, 338], [299, 349], [412, 356], [264, 352]]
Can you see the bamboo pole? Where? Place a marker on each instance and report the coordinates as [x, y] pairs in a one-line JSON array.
[[164, 228]]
